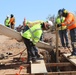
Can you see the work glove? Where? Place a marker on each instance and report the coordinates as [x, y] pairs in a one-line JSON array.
[[58, 25]]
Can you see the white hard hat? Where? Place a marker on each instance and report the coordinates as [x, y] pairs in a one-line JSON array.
[[7, 16], [50, 23]]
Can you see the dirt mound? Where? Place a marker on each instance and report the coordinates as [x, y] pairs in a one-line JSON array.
[[7, 44]]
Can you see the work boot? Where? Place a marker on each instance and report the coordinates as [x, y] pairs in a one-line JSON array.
[[38, 56], [35, 61], [67, 46], [64, 46], [28, 60]]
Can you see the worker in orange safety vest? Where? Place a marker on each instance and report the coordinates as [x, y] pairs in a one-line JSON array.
[[71, 25], [12, 21]]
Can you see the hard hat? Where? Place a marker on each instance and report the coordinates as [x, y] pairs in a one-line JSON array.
[[12, 15], [64, 11], [47, 25], [60, 12], [7, 16], [50, 23]]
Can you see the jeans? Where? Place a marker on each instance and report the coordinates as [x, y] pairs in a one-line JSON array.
[[63, 37], [31, 49], [73, 40]]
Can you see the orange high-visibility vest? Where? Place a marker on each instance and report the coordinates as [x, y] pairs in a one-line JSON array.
[[69, 21], [12, 20]]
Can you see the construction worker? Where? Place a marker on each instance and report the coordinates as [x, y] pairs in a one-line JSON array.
[[62, 30], [6, 22], [29, 24], [24, 22], [12, 21], [25, 25], [31, 37], [71, 25]]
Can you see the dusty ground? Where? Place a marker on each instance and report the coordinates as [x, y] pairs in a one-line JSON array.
[[8, 44]]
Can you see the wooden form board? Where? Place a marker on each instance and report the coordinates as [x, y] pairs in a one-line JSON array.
[[37, 68], [10, 32], [51, 73], [73, 61], [43, 45], [17, 35]]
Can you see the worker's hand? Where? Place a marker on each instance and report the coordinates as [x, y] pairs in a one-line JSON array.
[[58, 25]]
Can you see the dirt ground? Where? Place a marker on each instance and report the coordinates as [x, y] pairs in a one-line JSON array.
[[8, 44]]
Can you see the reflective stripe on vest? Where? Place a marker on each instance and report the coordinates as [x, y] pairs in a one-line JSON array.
[[70, 23], [32, 32]]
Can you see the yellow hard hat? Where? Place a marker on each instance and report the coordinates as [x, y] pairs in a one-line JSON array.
[[64, 10]]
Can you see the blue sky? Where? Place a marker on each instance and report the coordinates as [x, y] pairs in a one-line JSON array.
[[33, 9]]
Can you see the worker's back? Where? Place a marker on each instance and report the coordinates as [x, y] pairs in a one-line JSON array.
[[12, 21], [72, 24], [34, 33], [30, 24]]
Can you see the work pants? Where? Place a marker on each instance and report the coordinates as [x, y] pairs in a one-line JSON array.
[[12, 26], [31, 49], [63, 37], [73, 40]]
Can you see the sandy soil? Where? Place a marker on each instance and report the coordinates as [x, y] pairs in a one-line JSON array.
[[8, 44]]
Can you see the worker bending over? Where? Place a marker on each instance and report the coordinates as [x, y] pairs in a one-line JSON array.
[[31, 37]]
